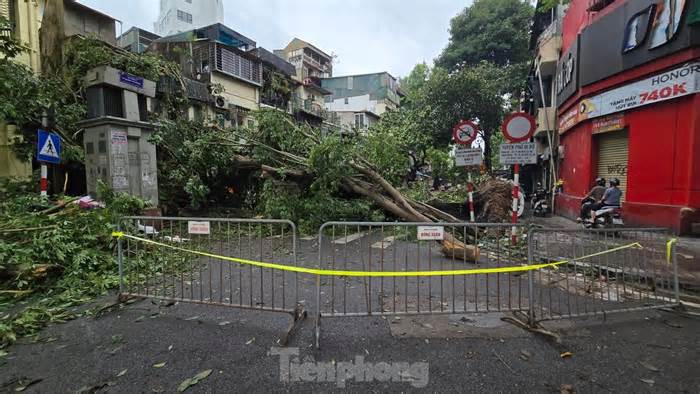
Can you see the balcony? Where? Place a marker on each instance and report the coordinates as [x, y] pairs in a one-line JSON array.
[[546, 116], [307, 106], [311, 80], [325, 67], [195, 90], [548, 47]]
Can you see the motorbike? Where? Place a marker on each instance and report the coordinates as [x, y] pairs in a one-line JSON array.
[[539, 202], [606, 217]]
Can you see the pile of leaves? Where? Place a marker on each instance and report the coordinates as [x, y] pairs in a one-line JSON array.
[[53, 256]]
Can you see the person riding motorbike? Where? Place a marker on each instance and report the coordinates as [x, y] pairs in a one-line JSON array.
[[611, 198], [593, 196]]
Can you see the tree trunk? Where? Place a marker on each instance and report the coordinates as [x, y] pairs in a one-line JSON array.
[[51, 38], [487, 151]]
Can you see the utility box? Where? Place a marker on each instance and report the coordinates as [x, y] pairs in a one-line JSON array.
[[117, 132]]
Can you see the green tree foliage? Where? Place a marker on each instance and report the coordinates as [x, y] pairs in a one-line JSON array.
[[496, 31], [9, 46], [414, 81], [53, 258], [195, 163]]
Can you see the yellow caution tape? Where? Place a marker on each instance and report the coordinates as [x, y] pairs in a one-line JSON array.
[[669, 247], [324, 272]]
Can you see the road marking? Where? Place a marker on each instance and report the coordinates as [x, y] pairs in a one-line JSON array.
[[350, 238], [385, 243]]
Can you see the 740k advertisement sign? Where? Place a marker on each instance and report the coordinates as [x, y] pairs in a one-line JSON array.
[[678, 82]]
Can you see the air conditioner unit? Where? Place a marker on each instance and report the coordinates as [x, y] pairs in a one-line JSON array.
[[220, 102]]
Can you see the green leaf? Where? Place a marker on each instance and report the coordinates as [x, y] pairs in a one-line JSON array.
[[187, 383]]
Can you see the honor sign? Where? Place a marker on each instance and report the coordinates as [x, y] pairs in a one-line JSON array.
[[678, 82]]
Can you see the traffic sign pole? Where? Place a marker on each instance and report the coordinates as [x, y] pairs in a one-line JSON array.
[[516, 196], [44, 185], [464, 133], [44, 182], [517, 127], [470, 192]]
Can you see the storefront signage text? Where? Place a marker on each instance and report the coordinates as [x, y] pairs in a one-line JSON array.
[[679, 82]]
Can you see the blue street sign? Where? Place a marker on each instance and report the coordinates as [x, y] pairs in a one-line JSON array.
[[48, 149]]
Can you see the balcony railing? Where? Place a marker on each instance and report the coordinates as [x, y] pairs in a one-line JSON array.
[[195, 90], [315, 63], [310, 107], [554, 29]]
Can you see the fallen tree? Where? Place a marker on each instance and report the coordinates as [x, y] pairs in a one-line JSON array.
[[362, 166]]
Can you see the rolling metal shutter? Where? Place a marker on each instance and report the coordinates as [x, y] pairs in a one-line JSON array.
[[612, 157]]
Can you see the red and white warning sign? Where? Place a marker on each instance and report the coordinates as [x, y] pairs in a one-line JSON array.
[[464, 132], [194, 227], [431, 233], [518, 127]]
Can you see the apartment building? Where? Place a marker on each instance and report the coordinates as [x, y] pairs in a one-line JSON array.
[[25, 18], [311, 65], [136, 40], [213, 56], [177, 16], [82, 20], [545, 45], [360, 100], [24, 21], [279, 83]]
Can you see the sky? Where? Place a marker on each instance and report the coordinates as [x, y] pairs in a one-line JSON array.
[[366, 35]]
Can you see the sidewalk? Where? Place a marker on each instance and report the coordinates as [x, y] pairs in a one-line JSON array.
[[688, 249]]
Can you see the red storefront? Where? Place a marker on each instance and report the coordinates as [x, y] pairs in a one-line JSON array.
[[628, 107]]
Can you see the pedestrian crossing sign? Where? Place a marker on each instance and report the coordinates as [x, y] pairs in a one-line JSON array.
[[48, 147]]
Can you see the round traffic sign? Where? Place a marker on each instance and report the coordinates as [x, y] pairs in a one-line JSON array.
[[464, 132], [518, 127]]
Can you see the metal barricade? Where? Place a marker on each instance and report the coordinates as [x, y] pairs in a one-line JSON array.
[[603, 271], [393, 247], [184, 259]]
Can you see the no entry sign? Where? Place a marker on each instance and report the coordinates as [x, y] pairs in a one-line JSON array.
[[464, 132], [518, 127]]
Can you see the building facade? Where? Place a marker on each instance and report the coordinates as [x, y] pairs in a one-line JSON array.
[[362, 99], [136, 40], [83, 20], [628, 107], [311, 65], [24, 20], [217, 56], [177, 16], [545, 45]]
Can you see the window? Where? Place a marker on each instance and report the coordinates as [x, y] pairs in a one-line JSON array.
[[184, 16], [233, 64], [350, 83], [221, 120], [360, 121]]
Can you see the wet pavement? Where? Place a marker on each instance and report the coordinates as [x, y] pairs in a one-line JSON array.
[[161, 346]]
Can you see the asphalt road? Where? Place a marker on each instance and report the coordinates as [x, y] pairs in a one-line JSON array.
[[652, 351], [149, 346]]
